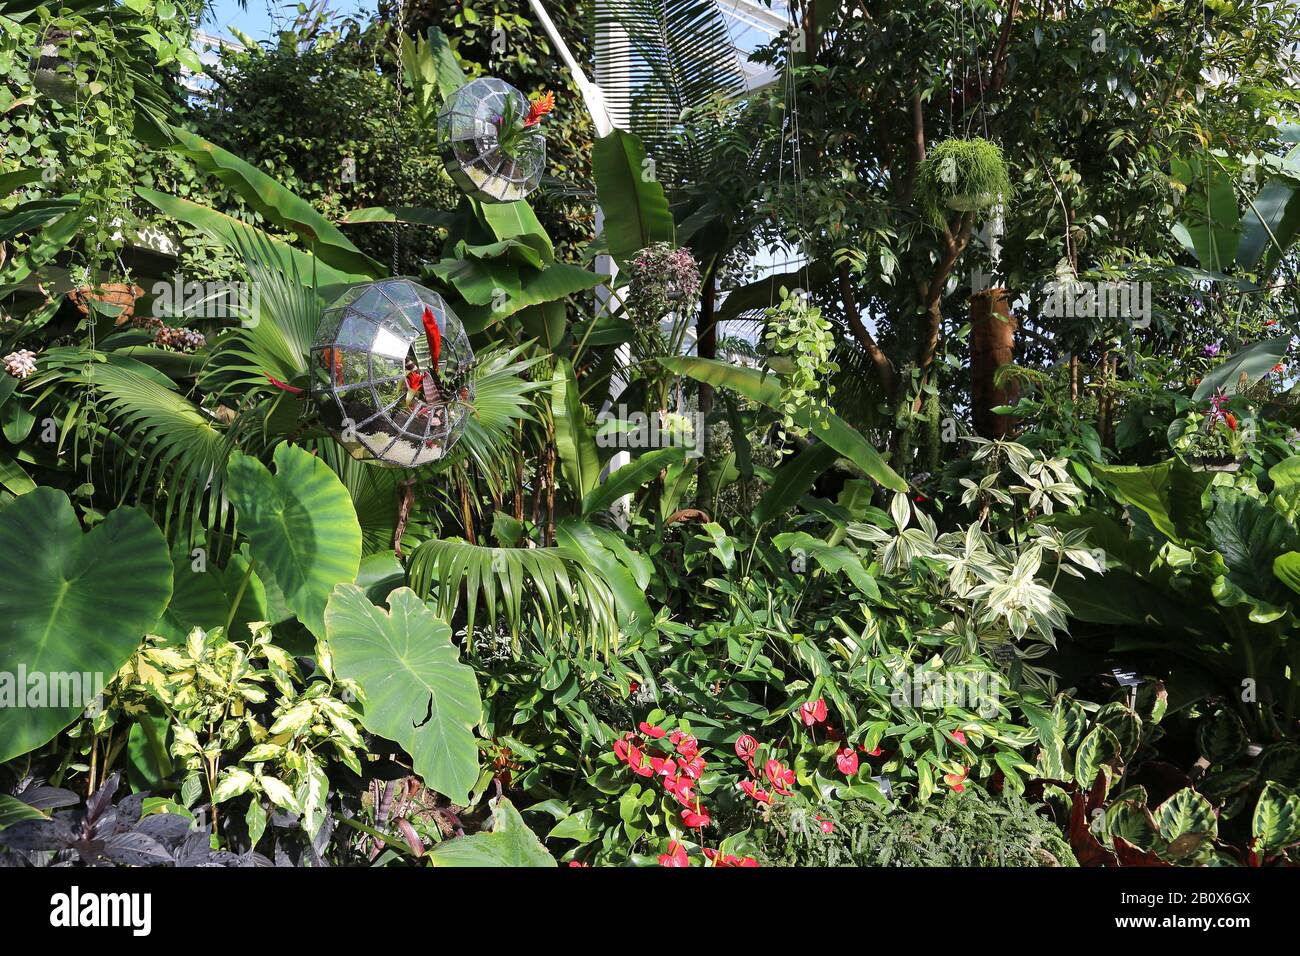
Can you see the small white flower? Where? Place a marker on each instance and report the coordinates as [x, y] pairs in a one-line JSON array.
[[20, 364]]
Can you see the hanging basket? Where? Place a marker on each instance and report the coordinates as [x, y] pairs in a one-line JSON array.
[[966, 175], [390, 371], [113, 293], [471, 129]]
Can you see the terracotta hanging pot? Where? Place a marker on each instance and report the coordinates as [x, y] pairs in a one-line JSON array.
[[111, 293]]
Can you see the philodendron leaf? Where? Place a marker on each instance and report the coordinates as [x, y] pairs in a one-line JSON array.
[[301, 526], [71, 604], [416, 691], [507, 842]]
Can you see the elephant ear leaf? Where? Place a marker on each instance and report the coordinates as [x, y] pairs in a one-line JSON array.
[[508, 842], [416, 691], [72, 604], [301, 526]]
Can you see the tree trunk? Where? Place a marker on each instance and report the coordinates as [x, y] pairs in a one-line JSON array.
[[992, 345]]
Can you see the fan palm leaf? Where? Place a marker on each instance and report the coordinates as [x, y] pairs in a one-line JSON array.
[[554, 587], [678, 56]]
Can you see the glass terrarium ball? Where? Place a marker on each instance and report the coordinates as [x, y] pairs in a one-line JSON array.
[[470, 138], [391, 370]]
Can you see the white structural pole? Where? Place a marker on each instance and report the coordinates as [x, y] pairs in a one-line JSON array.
[[609, 39]]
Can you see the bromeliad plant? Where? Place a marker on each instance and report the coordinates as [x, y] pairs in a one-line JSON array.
[[513, 130]]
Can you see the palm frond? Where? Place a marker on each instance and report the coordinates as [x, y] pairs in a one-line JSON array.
[[663, 59], [502, 400], [173, 454], [551, 587], [275, 339]]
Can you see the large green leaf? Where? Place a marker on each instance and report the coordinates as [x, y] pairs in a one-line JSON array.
[[239, 236], [1168, 492], [506, 842], [301, 526], [1250, 535], [416, 691], [516, 220], [1210, 215], [71, 604], [1276, 821], [766, 390], [573, 438], [1243, 369], [630, 477], [1270, 225], [276, 203], [635, 208], [549, 285], [792, 479]]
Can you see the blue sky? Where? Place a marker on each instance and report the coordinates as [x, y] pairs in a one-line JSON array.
[[259, 20]]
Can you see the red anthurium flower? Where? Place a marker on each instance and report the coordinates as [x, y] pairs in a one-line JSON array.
[[813, 712], [826, 825], [573, 863], [1270, 321], [681, 789], [782, 777], [633, 687], [650, 730], [960, 737], [876, 752], [718, 859], [693, 768], [687, 746], [955, 780], [746, 746], [675, 736], [755, 791], [695, 818], [676, 855], [663, 766], [847, 761]]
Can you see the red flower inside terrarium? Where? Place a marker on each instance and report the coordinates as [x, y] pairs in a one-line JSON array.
[[391, 366], [491, 139]]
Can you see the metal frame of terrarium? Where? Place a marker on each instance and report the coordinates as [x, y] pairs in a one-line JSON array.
[[468, 142], [368, 345]]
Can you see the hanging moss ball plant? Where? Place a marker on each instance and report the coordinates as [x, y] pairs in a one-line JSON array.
[[491, 139], [965, 175], [391, 368]]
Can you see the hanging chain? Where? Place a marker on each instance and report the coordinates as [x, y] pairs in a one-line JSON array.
[[397, 136]]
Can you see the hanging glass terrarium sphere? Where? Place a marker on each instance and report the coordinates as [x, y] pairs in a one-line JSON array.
[[490, 141], [390, 367]]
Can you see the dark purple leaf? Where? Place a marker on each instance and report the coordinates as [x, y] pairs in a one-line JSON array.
[[37, 835], [136, 849]]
